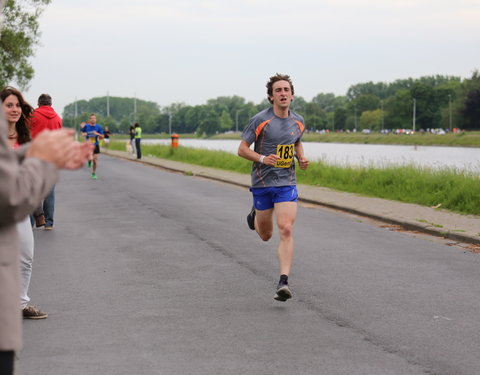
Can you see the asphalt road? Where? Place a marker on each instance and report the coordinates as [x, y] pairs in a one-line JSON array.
[[152, 272]]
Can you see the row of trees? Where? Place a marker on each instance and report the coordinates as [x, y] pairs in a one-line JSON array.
[[18, 38], [428, 102], [434, 101]]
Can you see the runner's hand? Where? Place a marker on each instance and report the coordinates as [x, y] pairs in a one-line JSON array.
[[271, 160], [303, 163]]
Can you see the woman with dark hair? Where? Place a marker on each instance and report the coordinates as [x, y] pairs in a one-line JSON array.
[[19, 131], [17, 113]]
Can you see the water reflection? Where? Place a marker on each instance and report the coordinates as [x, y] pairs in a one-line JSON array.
[[347, 154]]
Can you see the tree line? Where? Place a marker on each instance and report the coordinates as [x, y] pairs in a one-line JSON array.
[[428, 102], [444, 102]]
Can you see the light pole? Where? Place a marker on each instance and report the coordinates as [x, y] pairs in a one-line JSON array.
[[450, 110], [333, 120], [332, 109], [130, 118], [414, 112], [135, 105], [355, 106], [383, 118], [236, 121], [75, 119]]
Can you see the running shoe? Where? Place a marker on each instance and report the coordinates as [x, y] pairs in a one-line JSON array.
[[94, 176], [31, 312], [283, 293], [251, 219]]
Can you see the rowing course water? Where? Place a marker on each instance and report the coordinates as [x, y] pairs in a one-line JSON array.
[[347, 154]]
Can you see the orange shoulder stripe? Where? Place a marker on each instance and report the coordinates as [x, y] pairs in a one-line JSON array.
[[260, 127], [300, 126]]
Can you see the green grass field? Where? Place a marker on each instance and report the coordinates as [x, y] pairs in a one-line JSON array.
[[447, 188]]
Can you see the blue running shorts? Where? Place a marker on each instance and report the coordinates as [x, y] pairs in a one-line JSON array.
[[264, 198]]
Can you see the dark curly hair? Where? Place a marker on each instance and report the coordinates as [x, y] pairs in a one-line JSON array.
[[278, 77], [23, 124]]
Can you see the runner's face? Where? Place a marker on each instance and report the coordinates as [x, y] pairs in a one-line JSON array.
[[93, 120], [282, 94], [12, 109]]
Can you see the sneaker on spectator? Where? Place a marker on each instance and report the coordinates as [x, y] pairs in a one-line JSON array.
[[49, 227], [31, 312]]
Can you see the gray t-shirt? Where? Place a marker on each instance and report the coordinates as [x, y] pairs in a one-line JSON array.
[[274, 135]]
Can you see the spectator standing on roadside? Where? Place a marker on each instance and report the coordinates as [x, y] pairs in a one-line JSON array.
[[138, 139], [18, 112], [45, 118], [27, 174], [132, 139]]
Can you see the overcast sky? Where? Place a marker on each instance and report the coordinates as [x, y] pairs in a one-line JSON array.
[[193, 50]]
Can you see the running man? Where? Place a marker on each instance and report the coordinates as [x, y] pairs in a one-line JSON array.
[[276, 133], [93, 134]]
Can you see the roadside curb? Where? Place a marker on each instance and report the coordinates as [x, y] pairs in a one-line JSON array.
[[438, 223]]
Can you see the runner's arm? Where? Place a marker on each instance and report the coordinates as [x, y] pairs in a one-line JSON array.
[[299, 154], [246, 152]]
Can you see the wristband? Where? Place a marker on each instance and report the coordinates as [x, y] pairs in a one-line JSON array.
[[261, 159]]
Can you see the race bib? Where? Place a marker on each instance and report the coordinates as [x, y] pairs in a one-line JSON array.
[[285, 154], [91, 139]]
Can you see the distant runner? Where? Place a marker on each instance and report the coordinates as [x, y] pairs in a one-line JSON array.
[[93, 134], [276, 133]]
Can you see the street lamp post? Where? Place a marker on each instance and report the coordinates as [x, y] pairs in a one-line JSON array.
[[236, 121], [75, 119], [355, 106], [135, 105], [332, 109], [333, 120], [383, 118], [450, 110], [414, 112]]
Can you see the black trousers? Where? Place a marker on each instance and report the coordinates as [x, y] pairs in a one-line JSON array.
[[137, 146], [6, 362]]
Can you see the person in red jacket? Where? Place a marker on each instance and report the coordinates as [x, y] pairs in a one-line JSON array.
[[45, 117]]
